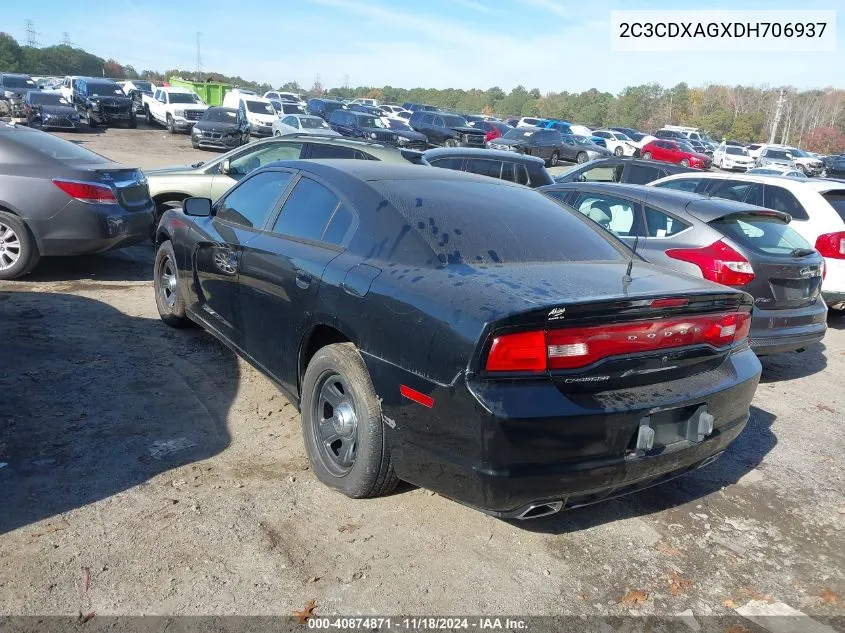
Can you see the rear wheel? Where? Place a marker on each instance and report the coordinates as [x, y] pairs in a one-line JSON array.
[[342, 424], [618, 151], [647, 156], [18, 250], [582, 157], [555, 159], [684, 162], [169, 300]]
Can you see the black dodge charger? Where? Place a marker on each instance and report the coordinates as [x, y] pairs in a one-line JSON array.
[[465, 334]]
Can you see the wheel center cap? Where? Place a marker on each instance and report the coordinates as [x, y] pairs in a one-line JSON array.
[[344, 419]]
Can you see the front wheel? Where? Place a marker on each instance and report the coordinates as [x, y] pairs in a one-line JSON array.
[[169, 300], [617, 151], [18, 250], [582, 157], [647, 156], [450, 142], [277, 133], [90, 115], [171, 125], [684, 162], [802, 169], [342, 424], [555, 159], [149, 115], [133, 123]]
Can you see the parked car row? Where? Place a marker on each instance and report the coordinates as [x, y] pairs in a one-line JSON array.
[[532, 301]]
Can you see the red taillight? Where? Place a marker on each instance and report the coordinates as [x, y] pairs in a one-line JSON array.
[[573, 348], [831, 245], [717, 262], [494, 133], [86, 191]]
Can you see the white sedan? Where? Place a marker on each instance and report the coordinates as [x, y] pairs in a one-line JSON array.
[[617, 142], [302, 124], [732, 157]]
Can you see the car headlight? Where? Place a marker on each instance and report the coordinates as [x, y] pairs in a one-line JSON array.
[[180, 113], [8, 94], [46, 116], [95, 105], [403, 139], [373, 135]]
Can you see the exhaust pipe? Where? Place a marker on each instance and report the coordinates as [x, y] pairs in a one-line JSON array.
[[537, 510]]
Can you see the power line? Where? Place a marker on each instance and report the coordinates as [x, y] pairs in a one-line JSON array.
[[30, 34]]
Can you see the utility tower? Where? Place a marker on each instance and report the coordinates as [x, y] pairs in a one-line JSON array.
[[776, 120], [66, 39], [199, 58], [30, 34]]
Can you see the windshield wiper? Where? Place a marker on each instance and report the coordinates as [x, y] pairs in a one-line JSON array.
[[802, 252], [199, 164]]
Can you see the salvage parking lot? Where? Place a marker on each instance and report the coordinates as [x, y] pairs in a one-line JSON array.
[[147, 470]]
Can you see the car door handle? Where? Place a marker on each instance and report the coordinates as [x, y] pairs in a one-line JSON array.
[[303, 279]]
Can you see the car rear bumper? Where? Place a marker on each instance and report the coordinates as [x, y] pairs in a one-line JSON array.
[[503, 448], [777, 331], [82, 228]]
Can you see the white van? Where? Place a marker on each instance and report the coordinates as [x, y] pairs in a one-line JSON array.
[[259, 111]]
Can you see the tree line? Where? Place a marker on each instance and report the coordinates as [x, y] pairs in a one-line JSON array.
[[813, 119]]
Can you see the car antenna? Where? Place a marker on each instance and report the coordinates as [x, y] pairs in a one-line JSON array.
[[626, 278]]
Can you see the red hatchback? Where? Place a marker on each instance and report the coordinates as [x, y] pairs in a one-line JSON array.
[[675, 152]]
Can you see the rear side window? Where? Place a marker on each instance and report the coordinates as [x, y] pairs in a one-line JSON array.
[[474, 223], [660, 224], [780, 199], [682, 184], [641, 174], [836, 199], [319, 150], [448, 163], [735, 190], [761, 233], [484, 167], [307, 211], [611, 173]]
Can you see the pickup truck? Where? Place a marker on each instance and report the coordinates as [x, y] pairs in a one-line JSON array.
[[178, 109]]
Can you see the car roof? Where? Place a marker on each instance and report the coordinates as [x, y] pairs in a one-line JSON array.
[[698, 206], [373, 171], [473, 152]]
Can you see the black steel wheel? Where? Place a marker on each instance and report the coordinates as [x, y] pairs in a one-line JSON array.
[[342, 424]]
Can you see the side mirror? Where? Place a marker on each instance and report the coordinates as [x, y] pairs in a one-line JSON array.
[[789, 156], [197, 207], [225, 166]]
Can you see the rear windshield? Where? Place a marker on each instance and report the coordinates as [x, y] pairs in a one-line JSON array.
[[776, 153], [762, 233], [837, 201], [17, 82], [55, 147], [474, 223], [737, 151]]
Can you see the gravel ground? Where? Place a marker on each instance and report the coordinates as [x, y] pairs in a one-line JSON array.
[[150, 471]]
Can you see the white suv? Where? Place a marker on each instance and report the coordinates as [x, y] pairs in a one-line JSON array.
[[817, 207], [732, 157], [617, 142]]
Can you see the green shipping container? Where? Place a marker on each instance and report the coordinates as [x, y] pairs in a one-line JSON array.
[[211, 92]]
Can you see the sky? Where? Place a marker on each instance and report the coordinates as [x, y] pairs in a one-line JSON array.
[[552, 45]]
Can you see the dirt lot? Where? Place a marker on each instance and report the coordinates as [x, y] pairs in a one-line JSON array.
[[146, 470]]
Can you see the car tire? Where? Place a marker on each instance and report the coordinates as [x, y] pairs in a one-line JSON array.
[[194, 144], [171, 126], [647, 156], [555, 159], [684, 162], [450, 142], [89, 114], [582, 157], [18, 250], [149, 115], [802, 169], [277, 134], [169, 299], [618, 151], [133, 123], [339, 401]]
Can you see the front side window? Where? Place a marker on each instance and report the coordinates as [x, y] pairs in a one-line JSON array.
[[614, 214], [612, 173], [307, 211], [252, 160], [453, 162], [681, 184], [252, 203], [291, 121], [319, 150], [484, 167]]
